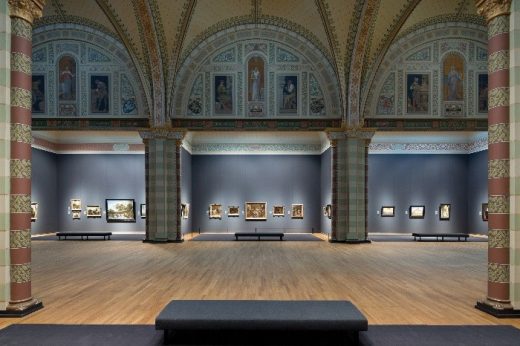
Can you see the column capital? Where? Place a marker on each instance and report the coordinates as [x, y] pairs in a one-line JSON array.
[[163, 133], [490, 9], [28, 10], [350, 132]]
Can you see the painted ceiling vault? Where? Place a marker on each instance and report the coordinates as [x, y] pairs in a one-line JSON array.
[[353, 35]]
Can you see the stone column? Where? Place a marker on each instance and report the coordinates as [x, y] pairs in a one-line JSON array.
[[163, 173], [22, 13], [497, 301], [349, 185]]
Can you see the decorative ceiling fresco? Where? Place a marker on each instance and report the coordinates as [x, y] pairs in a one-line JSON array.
[[352, 35]]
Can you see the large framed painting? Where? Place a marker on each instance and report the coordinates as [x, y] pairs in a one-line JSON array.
[[388, 211], [93, 211], [120, 210], [142, 210], [482, 87], [287, 94], [445, 212], [34, 211], [279, 210], [418, 93], [223, 94], [416, 212], [485, 212], [256, 210], [38, 94], [99, 94], [297, 211], [215, 211], [67, 78], [75, 204]]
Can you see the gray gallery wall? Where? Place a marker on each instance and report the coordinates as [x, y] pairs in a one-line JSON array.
[[94, 178], [477, 188], [326, 188], [44, 187], [275, 179], [186, 224]]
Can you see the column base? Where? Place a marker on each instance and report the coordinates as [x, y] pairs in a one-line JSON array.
[[499, 310], [351, 241], [162, 241], [22, 309]]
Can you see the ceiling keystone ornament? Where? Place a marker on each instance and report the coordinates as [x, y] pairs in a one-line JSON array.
[[490, 9], [28, 10]]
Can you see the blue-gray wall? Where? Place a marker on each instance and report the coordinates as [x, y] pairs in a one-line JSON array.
[[477, 188], [275, 179], [44, 187], [186, 224], [94, 178], [326, 188]]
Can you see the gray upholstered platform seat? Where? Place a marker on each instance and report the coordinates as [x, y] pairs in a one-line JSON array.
[[105, 235], [261, 315], [440, 235], [259, 235]]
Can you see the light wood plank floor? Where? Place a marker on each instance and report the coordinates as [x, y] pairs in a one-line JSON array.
[[128, 282]]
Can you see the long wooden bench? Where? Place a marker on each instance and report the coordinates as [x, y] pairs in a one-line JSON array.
[[84, 234], [440, 235], [261, 316], [259, 234]]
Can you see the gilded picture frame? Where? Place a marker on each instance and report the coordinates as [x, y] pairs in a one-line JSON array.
[[215, 211], [233, 211], [416, 212], [120, 210], [75, 204], [93, 211], [279, 210], [256, 210], [34, 211], [185, 210], [444, 212], [297, 211], [142, 210], [485, 212], [388, 211]]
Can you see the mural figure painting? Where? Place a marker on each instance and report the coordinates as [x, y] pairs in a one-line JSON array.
[[453, 80], [289, 94], [67, 78], [101, 96], [255, 84]]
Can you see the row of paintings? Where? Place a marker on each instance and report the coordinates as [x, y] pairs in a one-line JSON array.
[[417, 211], [255, 211]]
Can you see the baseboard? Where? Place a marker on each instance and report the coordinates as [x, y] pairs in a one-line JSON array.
[[21, 313], [499, 313]]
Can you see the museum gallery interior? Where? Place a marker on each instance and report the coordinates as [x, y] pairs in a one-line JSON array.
[[361, 155]]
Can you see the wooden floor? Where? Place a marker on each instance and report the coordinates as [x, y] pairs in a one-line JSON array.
[[128, 282]]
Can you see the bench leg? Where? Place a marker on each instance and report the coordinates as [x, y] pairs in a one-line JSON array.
[[168, 336], [353, 338]]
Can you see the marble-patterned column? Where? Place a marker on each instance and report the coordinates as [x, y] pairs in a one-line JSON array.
[[163, 173], [349, 185], [22, 13], [497, 301]]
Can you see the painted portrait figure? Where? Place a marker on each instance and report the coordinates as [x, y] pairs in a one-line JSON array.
[[453, 70], [67, 79]]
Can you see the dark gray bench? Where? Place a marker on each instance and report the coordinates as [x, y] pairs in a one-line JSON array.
[[440, 235], [259, 234], [84, 234], [263, 316]]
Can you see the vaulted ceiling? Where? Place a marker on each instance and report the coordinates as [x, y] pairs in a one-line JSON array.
[[354, 34]]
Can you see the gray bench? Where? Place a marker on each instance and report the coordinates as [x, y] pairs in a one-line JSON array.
[[83, 234], [440, 235], [264, 316], [259, 234]]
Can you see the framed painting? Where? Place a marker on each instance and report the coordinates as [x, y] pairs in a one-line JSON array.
[[215, 211], [416, 212], [76, 215], [418, 93], [444, 211], [388, 211], [485, 212], [223, 94], [482, 87], [142, 210], [93, 211], [327, 211], [288, 94], [34, 211], [279, 210], [99, 94], [233, 210], [120, 210], [297, 211], [185, 210], [75, 204], [256, 210], [38, 94]]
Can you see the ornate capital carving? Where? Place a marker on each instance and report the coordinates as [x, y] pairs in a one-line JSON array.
[[351, 132], [490, 9], [28, 10], [163, 133]]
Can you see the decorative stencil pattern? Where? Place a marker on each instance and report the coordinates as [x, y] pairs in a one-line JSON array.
[[498, 61], [39, 55], [20, 63], [20, 168], [96, 56], [21, 133], [498, 204], [498, 273], [498, 133], [20, 239], [317, 104], [421, 55], [20, 203], [283, 55], [482, 54], [226, 56], [498, 169], [498, 97], [196, 96], [21, 273], [498, 238], [386, 99], [21, 28], [128, 99], [498, 25], [20, 98]]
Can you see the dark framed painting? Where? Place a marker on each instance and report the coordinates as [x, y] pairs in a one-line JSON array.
[[418, 93], [256, 210], [444, 211], [388, 211], [120, 210], [233, 210], [215, 211], [416, 212], [223, 94], [142, 210], [297, 211], [279, 210], [99, 94], [288, 94], [34, 211], [482, 87], [485, 212], [38, 94], [93, 211]]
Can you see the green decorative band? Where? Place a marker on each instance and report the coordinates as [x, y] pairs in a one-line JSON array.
[[498, 133], [20, 98], [21, 63], [498, 169], [21, 133], [20, 239], [498, 25], [21, 273], [498, 61], [498, 273], [498, 238], [21, 28], [20, 203], [498, 204], [498, 97], [20, 168]]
